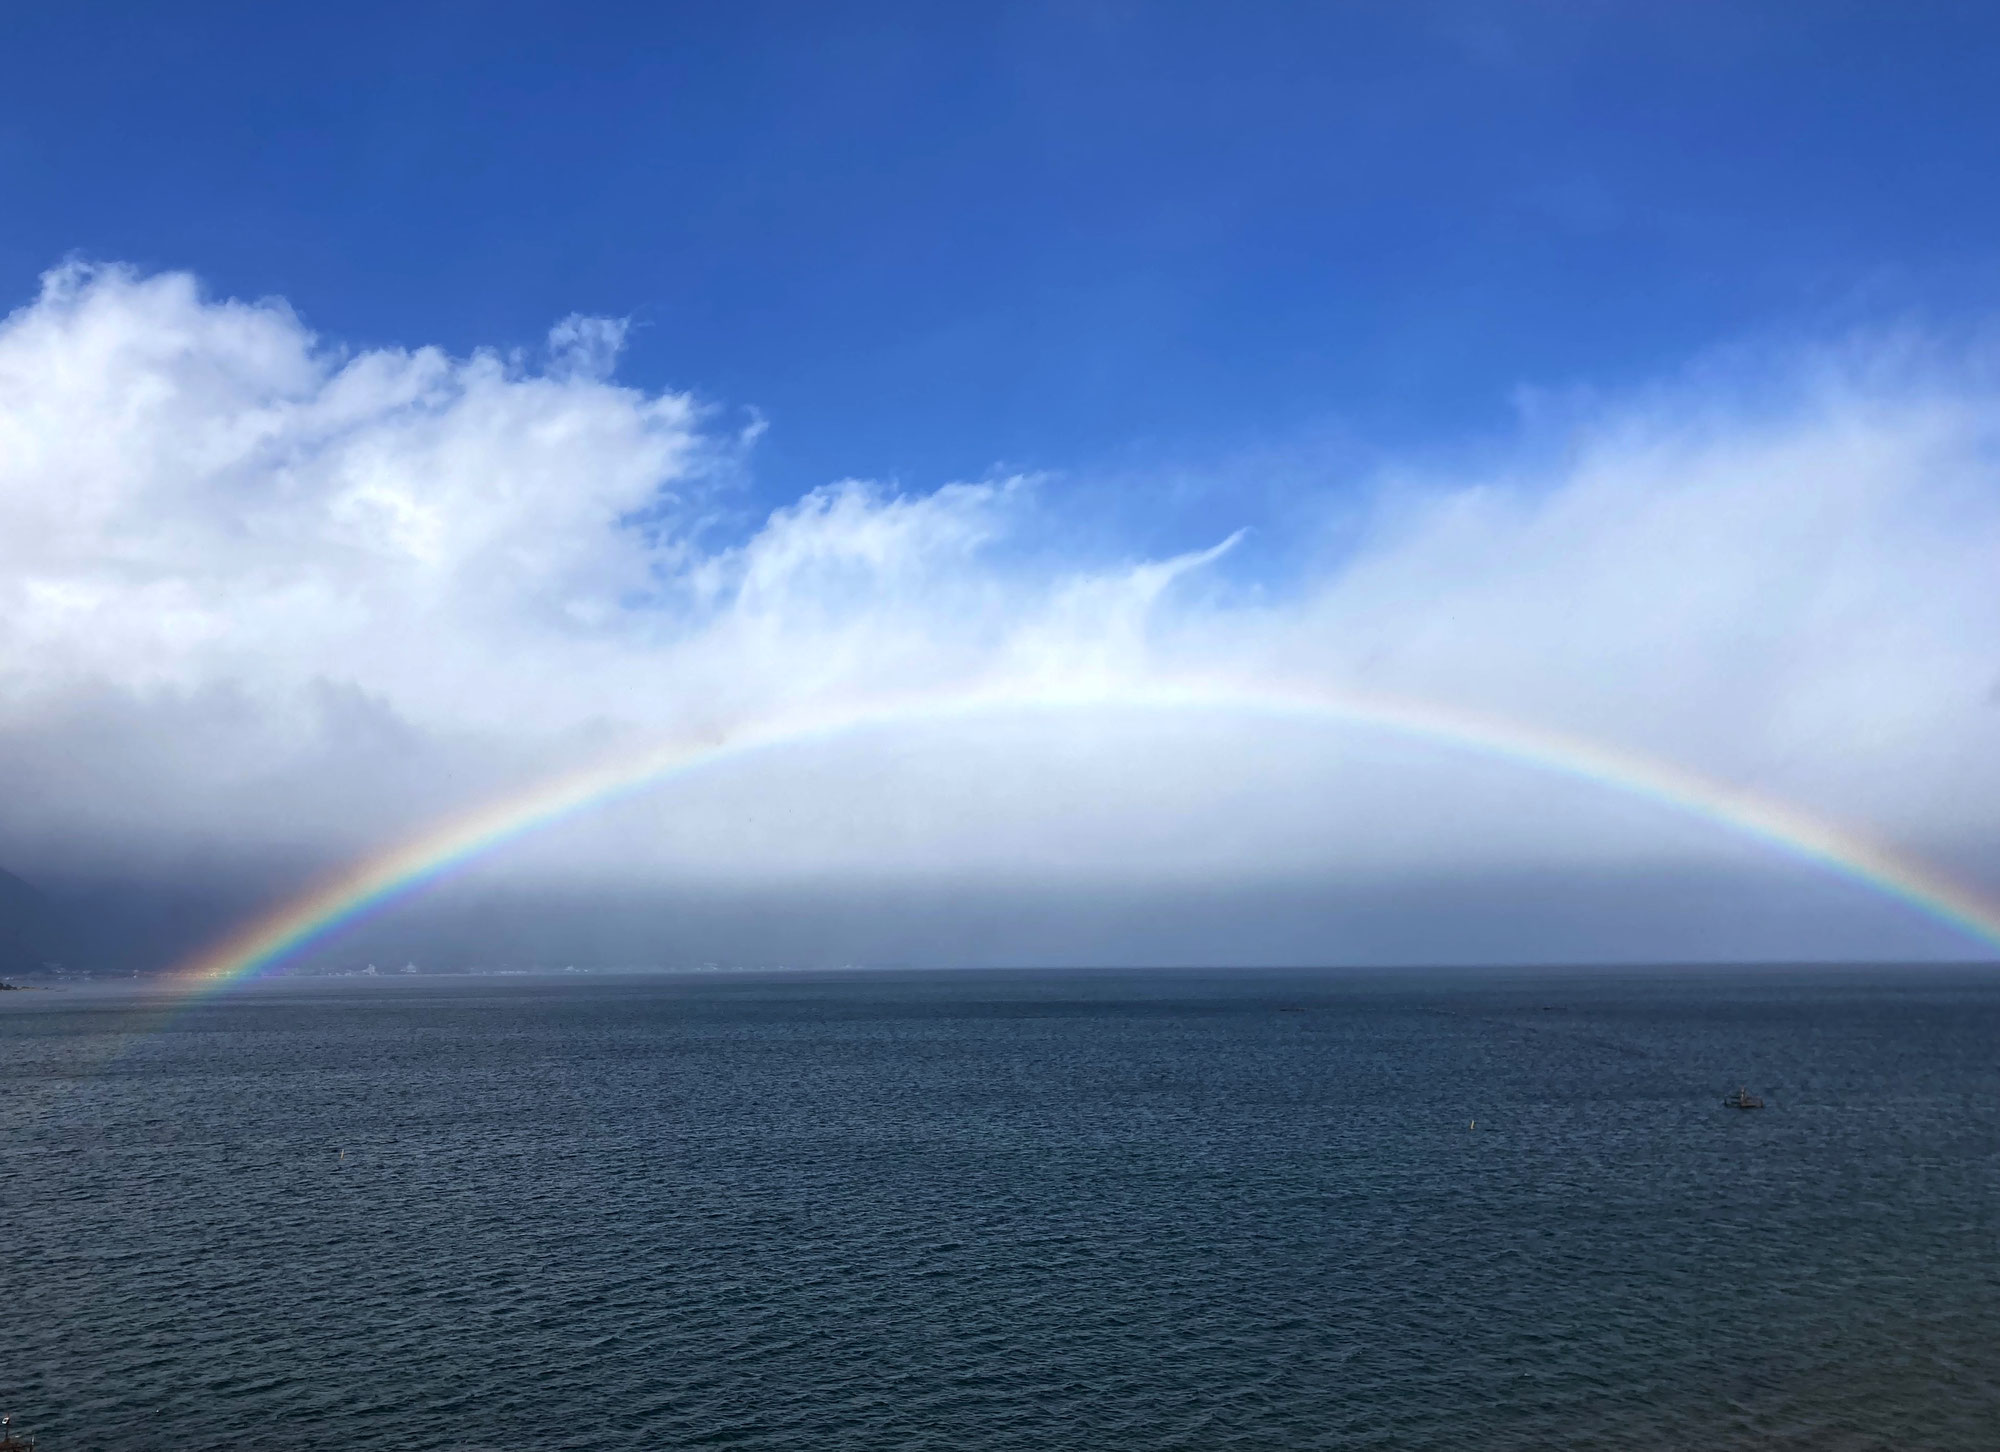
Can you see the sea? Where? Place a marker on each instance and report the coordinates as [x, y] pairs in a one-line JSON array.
[[1008, 1210]]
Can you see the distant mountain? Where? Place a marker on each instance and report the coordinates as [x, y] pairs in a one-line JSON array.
[[32, 936]]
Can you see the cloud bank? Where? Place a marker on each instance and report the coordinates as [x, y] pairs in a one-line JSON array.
[[266, 599]]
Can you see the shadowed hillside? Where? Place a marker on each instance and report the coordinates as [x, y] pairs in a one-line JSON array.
[[32, 938]]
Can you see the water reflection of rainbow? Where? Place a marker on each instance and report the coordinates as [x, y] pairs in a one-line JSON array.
[[422, 859]]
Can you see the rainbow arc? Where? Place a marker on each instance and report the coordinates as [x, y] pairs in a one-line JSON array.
[[408, 866]]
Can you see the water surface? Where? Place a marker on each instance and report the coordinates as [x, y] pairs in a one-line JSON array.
[[1008, 1211]]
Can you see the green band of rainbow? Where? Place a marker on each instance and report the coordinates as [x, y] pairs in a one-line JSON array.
[[421, 859]]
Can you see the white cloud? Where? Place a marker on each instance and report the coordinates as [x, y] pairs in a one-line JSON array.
[[196, 493], [256, 591]]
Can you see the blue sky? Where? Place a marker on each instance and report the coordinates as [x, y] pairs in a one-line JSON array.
[[927, 240], [1625, 373]]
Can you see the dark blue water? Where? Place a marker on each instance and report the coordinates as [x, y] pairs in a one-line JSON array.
[[987, 1211]]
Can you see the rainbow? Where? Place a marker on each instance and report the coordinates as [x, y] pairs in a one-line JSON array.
[[419, 860]]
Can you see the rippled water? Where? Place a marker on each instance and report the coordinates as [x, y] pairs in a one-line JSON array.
[[990, 1211]]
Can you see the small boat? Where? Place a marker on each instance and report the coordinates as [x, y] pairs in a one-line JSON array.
[[1743, 1099], [9, 1442]]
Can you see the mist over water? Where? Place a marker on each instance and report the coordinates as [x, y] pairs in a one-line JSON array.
[[1003, 1210], [272, 602]]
